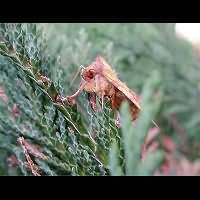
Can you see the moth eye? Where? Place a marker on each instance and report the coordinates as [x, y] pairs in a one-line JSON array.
[[91, 74]]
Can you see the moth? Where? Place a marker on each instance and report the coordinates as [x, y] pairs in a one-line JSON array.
[[99, 79]]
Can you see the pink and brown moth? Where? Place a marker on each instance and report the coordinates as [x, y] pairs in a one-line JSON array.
[[99, 79]]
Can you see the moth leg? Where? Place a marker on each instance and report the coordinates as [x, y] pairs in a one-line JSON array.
[[102, 101], [118, 123], [71, 99], [92, 101], [115, 104], [101, 93]]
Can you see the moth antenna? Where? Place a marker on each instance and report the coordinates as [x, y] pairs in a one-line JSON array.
[[155, 124], [76, 75], [82, 67]]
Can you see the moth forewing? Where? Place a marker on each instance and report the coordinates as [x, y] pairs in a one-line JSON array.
[[107, 71], [124, 89]]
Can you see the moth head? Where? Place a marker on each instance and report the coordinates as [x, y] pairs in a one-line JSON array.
[[88, 73]]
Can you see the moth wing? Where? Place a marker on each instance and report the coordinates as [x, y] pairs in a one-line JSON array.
[[132, 96], [107, 71]]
